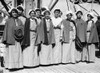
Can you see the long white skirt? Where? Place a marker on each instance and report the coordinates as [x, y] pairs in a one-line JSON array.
[[13, 56], [68, 52], [78, 55], [46, 54], [30, 56], [89, 51], [57, 48]]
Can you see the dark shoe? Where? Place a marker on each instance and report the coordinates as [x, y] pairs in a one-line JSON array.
[[2, 62], [90, 62]]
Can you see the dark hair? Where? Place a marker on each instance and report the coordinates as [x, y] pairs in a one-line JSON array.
[[15, 10], [90, 16], [70, 14], [31, 12], [98, 17], [43, 9], [38, 10], [46, 12], [79, 12], [20, 8], [57, 10]]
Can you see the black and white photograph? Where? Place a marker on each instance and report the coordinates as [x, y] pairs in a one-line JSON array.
[[49, 36]]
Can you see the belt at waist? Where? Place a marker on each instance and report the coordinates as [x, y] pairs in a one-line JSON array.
[[33, 30], [47, 31], [88, 31], [57, 28]]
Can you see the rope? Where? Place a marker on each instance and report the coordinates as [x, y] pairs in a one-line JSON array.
[[96, 12], [83, 7], [50, 4], [74, 6], [7, 5], [91, 9], [4, 4], [67, 5], [54, 5]]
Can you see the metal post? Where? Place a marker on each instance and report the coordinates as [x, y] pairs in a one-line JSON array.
[[38, 3], [67, 5]]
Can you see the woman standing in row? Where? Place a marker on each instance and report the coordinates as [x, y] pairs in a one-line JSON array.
[[92, 38], [57, 31], [45, 38], [68, 39], [13, 34], [30, 56], [81, 35]]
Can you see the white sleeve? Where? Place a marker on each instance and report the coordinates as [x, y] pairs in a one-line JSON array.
[[74, 31], [62, 27]]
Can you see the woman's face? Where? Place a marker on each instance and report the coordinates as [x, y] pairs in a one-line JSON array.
[[79, 15], [14, 14], [32, 14], [69, 16], [56, 14], [20, 12], [38, 13], [47, 15], [89, 17]]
